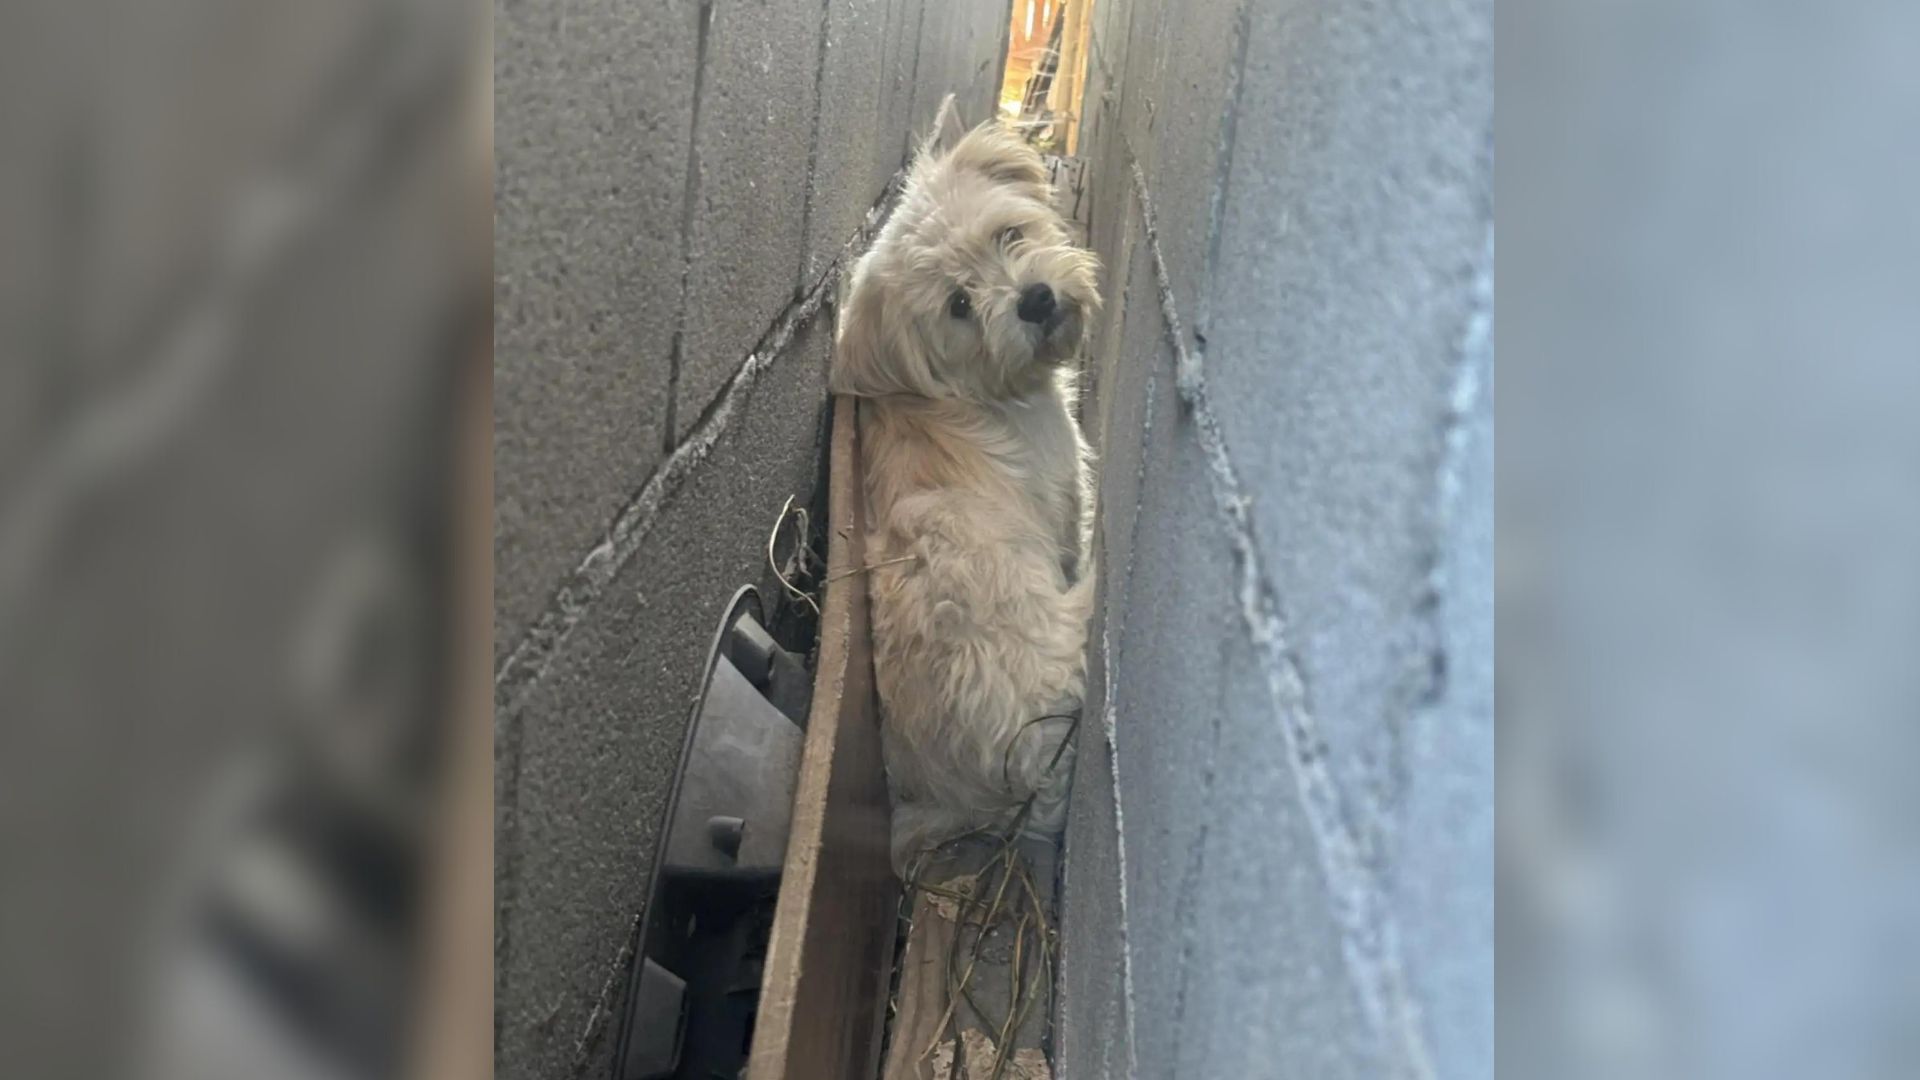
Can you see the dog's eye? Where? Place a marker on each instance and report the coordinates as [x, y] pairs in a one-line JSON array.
[[960, 305], [1010, 235]]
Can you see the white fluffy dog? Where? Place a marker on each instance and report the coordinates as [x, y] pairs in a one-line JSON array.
[[957, 333]]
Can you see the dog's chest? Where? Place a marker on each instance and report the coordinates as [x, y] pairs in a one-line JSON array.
[[1044, 453]]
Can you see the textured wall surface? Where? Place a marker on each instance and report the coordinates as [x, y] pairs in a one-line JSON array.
[[676, 184], [1287, 803]]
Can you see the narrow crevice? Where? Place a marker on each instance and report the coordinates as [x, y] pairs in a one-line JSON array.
[[690, 195]]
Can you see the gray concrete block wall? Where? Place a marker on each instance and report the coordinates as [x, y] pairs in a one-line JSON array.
[[596, 740], [853, 148], [1286, 807], [592, 109], [746, 195], [675, 169]]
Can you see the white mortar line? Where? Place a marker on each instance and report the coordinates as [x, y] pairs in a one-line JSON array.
[[590, 1034], [1109, 726], [1469, 382]]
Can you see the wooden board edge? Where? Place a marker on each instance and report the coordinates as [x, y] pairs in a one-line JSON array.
[[836, 875]]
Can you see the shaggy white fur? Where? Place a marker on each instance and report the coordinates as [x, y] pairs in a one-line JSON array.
[[958, 333]]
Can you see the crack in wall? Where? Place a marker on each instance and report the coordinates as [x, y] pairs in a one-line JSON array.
[[1369, 931]]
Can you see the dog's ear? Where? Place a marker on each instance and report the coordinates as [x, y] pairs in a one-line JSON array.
[[1003, 157], [874, 356], [858, 363]]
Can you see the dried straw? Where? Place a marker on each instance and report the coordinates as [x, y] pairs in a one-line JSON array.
[[1034, 942]]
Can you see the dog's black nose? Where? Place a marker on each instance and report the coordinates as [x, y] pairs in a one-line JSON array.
[[1036, 304]]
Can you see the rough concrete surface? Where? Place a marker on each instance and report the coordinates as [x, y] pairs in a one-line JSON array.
[[1293, 390], [850, 154], [746, 190], [593, 104], [961, 47], [680, 167]]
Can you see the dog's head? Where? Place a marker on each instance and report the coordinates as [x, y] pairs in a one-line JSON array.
[[973, 289]]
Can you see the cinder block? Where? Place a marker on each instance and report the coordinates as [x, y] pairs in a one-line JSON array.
[[1146, 71], [1109, 35], [850, 145], [1108, 168], [906, 18], [1091, 1031], [588, 764], [1238, 964], [933, 65], [749, 187], [983, 42], [1182, 154], [959, 53], [1267, 990], [592, 114], [1359, 200], [1181, 610]]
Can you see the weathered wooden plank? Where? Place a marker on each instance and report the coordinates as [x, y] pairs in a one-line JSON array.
[[823, 995], [921, 1001]]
